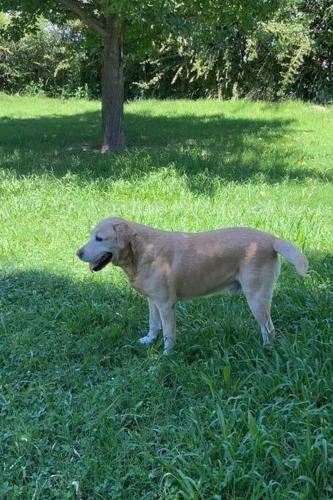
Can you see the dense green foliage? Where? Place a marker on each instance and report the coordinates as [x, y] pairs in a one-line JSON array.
[[53, 61], [259, 49], [85, 412]]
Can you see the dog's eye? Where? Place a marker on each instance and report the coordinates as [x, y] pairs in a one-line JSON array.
[[98, 238]]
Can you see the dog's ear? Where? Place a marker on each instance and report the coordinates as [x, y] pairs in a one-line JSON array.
[[123, 232]]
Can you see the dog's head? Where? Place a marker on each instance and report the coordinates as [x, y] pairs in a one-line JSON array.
[[108, 241]]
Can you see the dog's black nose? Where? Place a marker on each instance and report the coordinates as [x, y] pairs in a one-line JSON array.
[[79, 253]]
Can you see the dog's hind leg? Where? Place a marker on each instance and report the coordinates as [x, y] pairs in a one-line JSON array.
[[155, 324], [260, 305], [258, 289]]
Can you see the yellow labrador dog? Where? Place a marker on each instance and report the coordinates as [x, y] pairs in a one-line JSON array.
[[168, 267]]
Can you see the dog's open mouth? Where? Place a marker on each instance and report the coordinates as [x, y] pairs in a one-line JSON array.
[[102, 262]]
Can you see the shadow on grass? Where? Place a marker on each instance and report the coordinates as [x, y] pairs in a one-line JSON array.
[[91, 324], [64, 321], [204, 149]]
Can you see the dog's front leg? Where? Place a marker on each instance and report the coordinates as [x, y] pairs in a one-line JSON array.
[[154, 324], [168, 317]]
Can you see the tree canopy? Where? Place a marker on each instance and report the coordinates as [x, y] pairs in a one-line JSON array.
[[264, 49]]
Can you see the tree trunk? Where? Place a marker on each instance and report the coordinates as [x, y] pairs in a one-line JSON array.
[[113, 86]]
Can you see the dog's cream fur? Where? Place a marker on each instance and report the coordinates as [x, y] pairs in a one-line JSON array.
[[168, 267]]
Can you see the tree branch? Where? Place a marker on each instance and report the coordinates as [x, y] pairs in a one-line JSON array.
[[92, 22]]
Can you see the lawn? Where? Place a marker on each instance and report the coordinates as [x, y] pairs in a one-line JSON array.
[[85, 411]]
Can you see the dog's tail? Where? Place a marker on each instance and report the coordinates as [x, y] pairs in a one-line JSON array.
[[292, 254]]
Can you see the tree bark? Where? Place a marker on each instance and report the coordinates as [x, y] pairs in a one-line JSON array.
[[113, 85]]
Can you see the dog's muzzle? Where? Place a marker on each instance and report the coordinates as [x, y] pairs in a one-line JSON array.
[[102, 262]]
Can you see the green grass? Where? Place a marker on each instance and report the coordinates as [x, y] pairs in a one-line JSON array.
[[84, 410]]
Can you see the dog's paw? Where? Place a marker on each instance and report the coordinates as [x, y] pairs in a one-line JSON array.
[[168, 346], [146, 340]]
